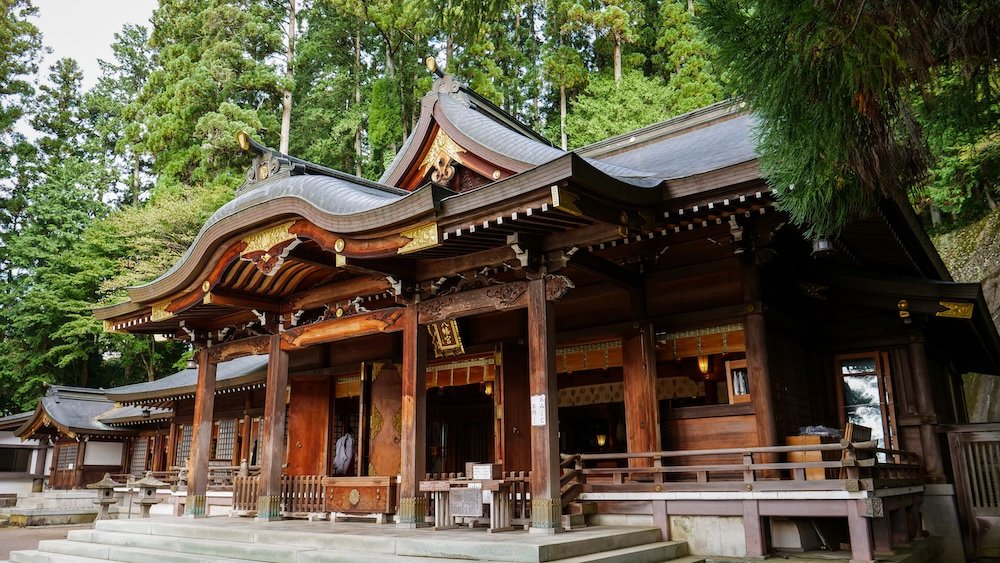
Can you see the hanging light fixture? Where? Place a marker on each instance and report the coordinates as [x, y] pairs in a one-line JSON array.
[[488, 388], [703, 364], [602, 439]]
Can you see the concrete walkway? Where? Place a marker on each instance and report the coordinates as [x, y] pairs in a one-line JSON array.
[[14, 539]]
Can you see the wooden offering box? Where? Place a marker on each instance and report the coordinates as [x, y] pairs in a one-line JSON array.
[[360, 495]]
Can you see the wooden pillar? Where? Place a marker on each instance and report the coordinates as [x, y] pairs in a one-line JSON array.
[[753, 529], [514, 395], [642, 413], [546, 501], [81, 452], [758, 372], [273, 433], [930, 454], [172, 444], [859, 527], [201, 438], [413, 443]]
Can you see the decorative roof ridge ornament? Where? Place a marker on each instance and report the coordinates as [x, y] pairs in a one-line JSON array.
[[267, 162], [446, 83]]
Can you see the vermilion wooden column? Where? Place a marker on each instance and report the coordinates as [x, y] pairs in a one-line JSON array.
[[546, 502], [201, 438], [273, 433], [642, 413], [413, 442]]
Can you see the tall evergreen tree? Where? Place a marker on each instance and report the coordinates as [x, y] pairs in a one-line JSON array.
[[213, 79], [835, 91]]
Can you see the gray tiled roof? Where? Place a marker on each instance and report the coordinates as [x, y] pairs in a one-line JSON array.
[[332, 195], [708, 148], [501, 139], [128, 413], [495, 136], [77, 409], [234, 372]]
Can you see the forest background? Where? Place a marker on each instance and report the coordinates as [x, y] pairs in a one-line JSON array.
[[116, 180]]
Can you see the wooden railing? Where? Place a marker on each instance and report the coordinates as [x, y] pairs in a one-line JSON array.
[[742, 469], [300, 494]]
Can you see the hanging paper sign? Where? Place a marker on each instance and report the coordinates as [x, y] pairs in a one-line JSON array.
[[538, 410]]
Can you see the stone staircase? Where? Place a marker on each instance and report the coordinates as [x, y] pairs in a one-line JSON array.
[[163, 540]]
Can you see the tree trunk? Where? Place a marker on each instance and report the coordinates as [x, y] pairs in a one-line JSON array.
[[357, 102], [562, 115], [691, 7], [286, 96], [618, 60]]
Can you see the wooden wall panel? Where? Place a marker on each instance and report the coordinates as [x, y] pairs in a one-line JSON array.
[[705, 291], [710, 433], [801, 393], [308, 426], [387, 402]]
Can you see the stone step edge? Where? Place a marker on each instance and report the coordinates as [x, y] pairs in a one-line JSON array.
[[631, 535], [678, 549], [46, 546], [34, 554], [286, 549]]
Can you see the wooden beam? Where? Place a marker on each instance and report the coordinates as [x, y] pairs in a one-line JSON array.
[[336, 291], [363, 324], [377, 268], [273, 432], [642, 421], [501, 297], [546, 502], [240, 301], [201, 438], [606, 269], [381, 247], [413, 443], [252, 346]]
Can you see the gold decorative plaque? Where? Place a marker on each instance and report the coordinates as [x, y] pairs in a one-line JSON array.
[[956, 310], [446, 339], [263, 240], [424, 236], [159, 312]]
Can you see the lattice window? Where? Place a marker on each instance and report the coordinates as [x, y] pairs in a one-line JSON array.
[[183, 445], [225, 441], [140, 453], [66, 456]]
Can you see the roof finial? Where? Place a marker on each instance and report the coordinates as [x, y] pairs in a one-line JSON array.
[[432, 66]]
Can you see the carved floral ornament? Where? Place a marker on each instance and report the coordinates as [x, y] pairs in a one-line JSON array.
[[442, 152]]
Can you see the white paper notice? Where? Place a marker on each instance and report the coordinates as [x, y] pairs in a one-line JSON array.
[[538, 410]]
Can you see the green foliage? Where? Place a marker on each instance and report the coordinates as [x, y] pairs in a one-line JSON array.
[[213, 78], [607, 108], [834, 90], [20, 47]]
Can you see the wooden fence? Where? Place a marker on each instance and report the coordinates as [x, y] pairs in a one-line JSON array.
[[975, 459], [741, 469], [300, 494]]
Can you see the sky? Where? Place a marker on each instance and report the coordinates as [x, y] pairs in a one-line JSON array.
[[85, 29]]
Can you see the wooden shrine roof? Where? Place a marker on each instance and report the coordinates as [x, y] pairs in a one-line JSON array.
[[239, 372], [70, 411]]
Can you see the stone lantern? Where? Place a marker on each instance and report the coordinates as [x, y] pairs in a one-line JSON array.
[[147, 492], [105, 495]]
